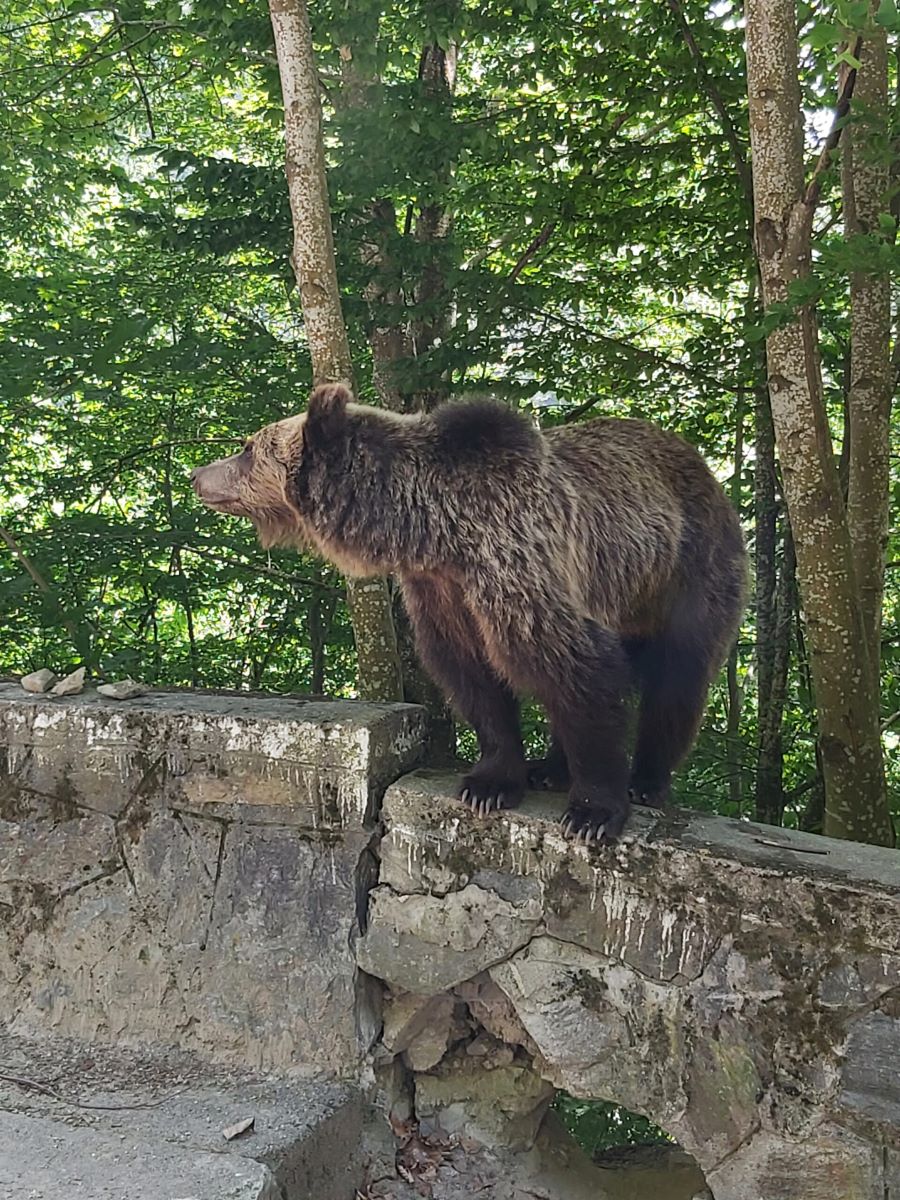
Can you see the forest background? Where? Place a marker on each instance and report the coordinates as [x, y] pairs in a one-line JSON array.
[[547, 199]]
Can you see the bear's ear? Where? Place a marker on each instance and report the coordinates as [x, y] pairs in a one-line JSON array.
[[326, 413]]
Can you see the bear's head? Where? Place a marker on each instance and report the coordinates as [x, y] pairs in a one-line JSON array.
[[256, 482]]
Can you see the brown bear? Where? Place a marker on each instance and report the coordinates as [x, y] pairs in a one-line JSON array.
[[577, 565]]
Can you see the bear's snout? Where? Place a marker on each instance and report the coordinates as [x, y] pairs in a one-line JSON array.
[[214, 484]]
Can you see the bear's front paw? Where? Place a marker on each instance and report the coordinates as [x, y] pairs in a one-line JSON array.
[[595, 814], [488, 789]]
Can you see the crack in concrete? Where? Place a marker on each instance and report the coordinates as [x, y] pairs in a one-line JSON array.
[[677, 979], [220, 859], [126, 865], [108, 873], [185, 829]]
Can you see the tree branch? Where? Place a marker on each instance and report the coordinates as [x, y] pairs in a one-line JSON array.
[[531, 249], [715, 98], [269, 572], [26, 562], [814, 187], [37, 578], [88, 59], [145, 99], [648, 356]]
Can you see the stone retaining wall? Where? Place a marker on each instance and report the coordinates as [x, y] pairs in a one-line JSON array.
[[738, 984], [190, 869], [219, 873]]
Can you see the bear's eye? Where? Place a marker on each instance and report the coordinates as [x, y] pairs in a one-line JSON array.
[[245, 458]]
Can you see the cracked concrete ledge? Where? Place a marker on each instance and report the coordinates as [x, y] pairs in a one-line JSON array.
[[739, 985], [190, 869], [327, 762], [149, 1126]]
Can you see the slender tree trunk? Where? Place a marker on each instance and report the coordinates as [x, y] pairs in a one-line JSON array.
[[733, 745], [775, 589], [314, 266], [866, 178], [321, 613], [770, 797], [437, 75], [392, 342], [846, 703], [765, 500]]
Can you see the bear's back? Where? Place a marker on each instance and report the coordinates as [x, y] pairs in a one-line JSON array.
[[650, 512]]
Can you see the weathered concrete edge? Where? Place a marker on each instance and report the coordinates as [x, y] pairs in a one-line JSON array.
[[160, 1122], [721, 841], [338, 755], [294, 730]]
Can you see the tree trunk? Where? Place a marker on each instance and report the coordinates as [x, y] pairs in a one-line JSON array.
[[314, 266], [846, 702], [770, 797], [391, 341], [765, 502], [437, 75], [866, 178], [733, 744]]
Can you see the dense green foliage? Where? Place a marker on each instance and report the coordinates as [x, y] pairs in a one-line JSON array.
[[599, 1125], [598, 261]]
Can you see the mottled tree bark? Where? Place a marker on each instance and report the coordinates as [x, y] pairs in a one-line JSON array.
[[437, 75], [866, 178], [314, 266], [846, 702]]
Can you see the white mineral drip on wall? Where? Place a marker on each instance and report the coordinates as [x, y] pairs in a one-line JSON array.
[[176, 762], [16, 757]]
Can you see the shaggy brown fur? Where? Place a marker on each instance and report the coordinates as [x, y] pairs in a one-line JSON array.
[[573, 565]]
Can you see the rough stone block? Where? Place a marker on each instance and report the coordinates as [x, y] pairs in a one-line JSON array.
[[600, 1029], [419, 1027], [190, 868], [427, 947], [832, 1165], [500, 1107], [329, 760], [706, 973], [870, 1076]]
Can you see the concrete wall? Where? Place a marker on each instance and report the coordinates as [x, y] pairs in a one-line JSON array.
[[740, 985], [190, 869], [208, 871]]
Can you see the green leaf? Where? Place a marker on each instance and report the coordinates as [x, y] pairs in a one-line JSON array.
[[888, 16], [847, 57], [823, 34]]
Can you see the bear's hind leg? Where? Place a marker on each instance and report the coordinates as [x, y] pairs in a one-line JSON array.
[[674, 672]]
